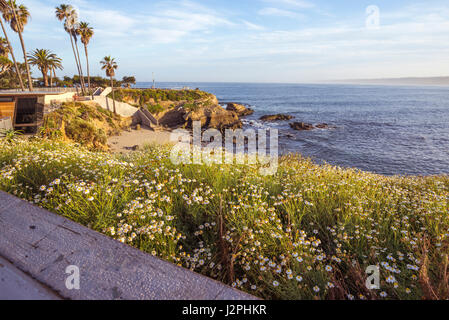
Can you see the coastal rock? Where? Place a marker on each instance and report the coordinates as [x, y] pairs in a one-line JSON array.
[[241, 110], [322, 126], [214, 117], [276, 117], [301, 126]]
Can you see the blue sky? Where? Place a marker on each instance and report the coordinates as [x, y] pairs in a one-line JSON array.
[[252, 40]]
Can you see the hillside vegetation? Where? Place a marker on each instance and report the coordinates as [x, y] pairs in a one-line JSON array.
[[86, 124], [159, 100], [309, 232]]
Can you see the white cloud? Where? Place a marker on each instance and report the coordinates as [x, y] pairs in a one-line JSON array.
[[279, 13], [252, 26], [293, 3]]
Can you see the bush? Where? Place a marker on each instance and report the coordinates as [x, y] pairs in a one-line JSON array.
[[155, 108], [85, 124]]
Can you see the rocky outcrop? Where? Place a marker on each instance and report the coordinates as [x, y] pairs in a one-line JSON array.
[[301, 126], [240, 109], [276, 117], [322, 126], [214, 117]]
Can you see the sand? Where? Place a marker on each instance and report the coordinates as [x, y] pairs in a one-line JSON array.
[[129, 141]]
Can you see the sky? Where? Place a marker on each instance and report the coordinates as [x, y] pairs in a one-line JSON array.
[[277, 41]]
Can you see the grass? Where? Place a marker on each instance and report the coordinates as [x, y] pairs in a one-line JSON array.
[[309, 232], [89, 125], [142, 97]]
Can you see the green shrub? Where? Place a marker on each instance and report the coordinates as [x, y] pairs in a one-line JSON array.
[[155, 108]]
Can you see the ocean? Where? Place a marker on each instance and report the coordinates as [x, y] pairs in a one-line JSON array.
[[390, 130]]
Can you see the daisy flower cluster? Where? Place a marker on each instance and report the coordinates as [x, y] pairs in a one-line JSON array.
[[308, 232]]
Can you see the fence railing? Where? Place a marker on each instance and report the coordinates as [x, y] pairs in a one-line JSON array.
[[50, 90]]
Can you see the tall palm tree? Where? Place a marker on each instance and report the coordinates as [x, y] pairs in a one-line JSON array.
[[109, 65], [45, 61], [69, 15], [10, 49], [86, 33], [17, 17], [55, 64]]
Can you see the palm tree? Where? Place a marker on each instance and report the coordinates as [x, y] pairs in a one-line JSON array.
[[17, 17], [110, 66], [55, 64], [69, 14], [86, 33], [9, 47], [45, 61]]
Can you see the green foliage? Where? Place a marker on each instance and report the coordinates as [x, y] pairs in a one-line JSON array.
[[308, 232], [191, 107], [145, 96], [10, 135], [155, 108], [82, 123]]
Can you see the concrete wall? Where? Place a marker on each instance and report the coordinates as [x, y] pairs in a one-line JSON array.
[[60, 98], [123, 109], [43, 245], [106, 91], [6, 124]]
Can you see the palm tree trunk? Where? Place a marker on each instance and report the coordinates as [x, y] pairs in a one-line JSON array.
[[51, 77], [113, 95], [45, 76], [81, 68], [11, 51], [19, 29], [88, 71], [76, 60]]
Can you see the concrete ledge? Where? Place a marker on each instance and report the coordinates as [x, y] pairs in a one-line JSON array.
[[42, 245], [16, 285]]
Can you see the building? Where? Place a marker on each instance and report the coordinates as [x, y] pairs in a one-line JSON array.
[[25, 110]]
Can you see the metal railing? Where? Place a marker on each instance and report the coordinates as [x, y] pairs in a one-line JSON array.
[[37, 90]]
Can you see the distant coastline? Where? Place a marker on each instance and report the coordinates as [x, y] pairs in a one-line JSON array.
[[411, 81]]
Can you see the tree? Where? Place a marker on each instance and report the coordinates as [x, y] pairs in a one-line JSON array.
[[46, 61], [53, 66], [17, 17], [69, 15], [9, 46], [86, 33], [5, 65], [128, 81], [109, 65], [4, 48]]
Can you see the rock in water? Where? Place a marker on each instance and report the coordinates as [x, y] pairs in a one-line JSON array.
[[276, 117], [301, 126], [241, 110], [322, 126]]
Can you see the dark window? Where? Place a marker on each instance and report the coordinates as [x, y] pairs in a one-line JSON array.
[[6, 99], [26, 111]]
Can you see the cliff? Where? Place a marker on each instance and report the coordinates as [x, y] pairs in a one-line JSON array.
[[179, 108]]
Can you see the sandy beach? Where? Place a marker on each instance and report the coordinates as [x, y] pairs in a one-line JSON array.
[[133, 140]]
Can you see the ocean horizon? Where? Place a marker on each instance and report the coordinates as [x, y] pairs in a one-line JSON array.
[[384, 129]]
